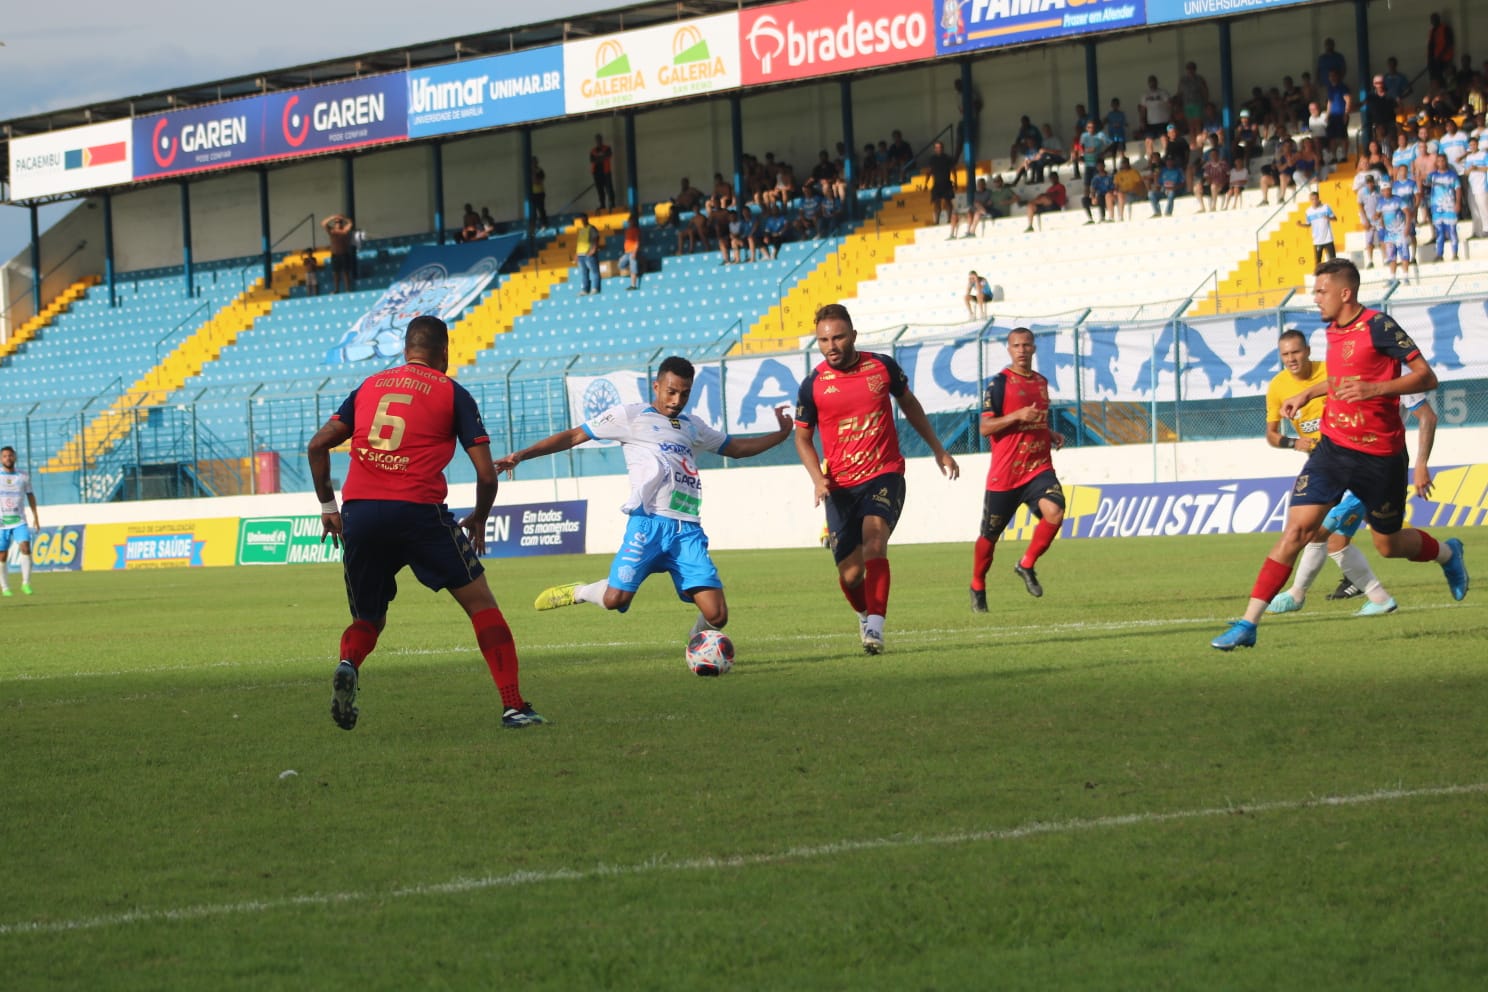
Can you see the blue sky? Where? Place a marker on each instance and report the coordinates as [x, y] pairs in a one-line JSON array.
[[57, 56]]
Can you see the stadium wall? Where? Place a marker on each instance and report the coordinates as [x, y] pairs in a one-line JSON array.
[[1212, 473]]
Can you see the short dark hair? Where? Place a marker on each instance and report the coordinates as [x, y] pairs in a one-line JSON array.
[[1020, 330], [1340, 268], [426, 333], [1292, 332], [833, 311], [677, 366], [7, 448]]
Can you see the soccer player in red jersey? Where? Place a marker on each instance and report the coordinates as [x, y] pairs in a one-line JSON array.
[[1015, 416], [1362, 448], [403, 424], [861, 477]]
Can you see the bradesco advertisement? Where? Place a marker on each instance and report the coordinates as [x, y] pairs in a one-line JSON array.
[[53, 549], [526, 529], [661, 63], [821, 37], [488, 92], [967, 25], [160, 544], [296, 540]]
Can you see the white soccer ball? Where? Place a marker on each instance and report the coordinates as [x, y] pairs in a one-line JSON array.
[[710, 653]]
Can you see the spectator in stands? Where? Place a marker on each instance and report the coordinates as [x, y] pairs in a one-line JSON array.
[[808, 216], [1330, 61], [1116, 128], [1081, 116], [1475, 167], [869, 173], [742, 234], [1051, 150], [1099, 191], [833, 210], [775, 229], [586, 256], [1381, 110], [718, 207], [1193, 92], [784, 189], [1092, 148], [1320, 218], [1397, 86], [342, 232], [1444, 193], [1247, 143], [826, 176], [312, 272], [630, 253], [1239, 177], [469, 225], [694, 231], [1001, 199], [1030, 163], [1170, 184], [1130, 188], [1211, 180], [1421, 169], [1405, 189], [1441, 49], [1317, 121], [1373, 157], [1340, 105], [601, 170], [1027, 132], [1052, 199], [1177, 149], [900, 157], [1306, 165], [1156, 111], [942, 184], [1295, 102], [488, 223], [686, 200], [978, 293], [537, 198], [1211, 125], [1369, 214], [980, 207], [1453, 145]]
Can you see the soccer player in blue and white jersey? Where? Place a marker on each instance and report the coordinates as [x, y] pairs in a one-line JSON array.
[[664, 533], [1445, 193], [1405, 187], [1397, 227], [1452, 145], [1320, 218], [1404, 155], [15, 494]]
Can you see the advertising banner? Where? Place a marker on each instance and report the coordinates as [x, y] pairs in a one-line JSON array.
[[659, 63], [437, 280], [1164, 11], [336, 117], [756, 386], [53, 549], [67, 161], [161, 544], [823, 37], [945, 376], [284, 541], [199, 138], [527, 529], [591, 395], [488, 92], [968, 25]]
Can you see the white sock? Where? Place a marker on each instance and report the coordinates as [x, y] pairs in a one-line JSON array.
[[875, 624], [701, 625], [1308, 567], [1443, 553], [592, 593], [5, 575], [1356, 569], [25, 570]]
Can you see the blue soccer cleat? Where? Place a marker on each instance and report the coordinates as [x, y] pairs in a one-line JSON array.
[[344, 710], [1239, 634], [518, 719], [1283, 603], [1373, 609], [1455, 569]]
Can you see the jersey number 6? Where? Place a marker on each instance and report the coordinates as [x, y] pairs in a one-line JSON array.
[[386, 431]]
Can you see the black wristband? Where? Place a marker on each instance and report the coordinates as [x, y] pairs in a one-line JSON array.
[[1288, 442]]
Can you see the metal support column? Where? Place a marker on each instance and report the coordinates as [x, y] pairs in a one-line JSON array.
[[1092, 85], [109, 275], [186, 239], [527, 219], [1226, 80], [436, 169], [632, 184], [736, 138], [265, 238], [849, 160], [35, 258]]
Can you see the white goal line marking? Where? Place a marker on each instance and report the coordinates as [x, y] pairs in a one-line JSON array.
[[460, 886]]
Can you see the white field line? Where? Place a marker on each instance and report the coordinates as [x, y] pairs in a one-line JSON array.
[[662, 864], [535, 647]]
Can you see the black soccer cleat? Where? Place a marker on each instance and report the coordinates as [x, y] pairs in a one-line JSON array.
[[344, 709], [1345, 590], [1030, 579], [979, 601]]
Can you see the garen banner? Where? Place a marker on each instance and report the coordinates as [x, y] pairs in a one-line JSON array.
[[825, 37], [968, 25], [161, 544], [685, 59], [336, 117], [489, 92]]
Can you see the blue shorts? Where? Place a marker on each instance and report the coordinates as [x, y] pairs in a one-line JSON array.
[[1346, 517], [382, 536], [881, 496], [1378, 482], [19, 534], [661, 544]]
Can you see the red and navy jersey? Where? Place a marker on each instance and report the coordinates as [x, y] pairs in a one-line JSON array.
[[1019, 452], [404, 423], [853, 410], [1371, 348]]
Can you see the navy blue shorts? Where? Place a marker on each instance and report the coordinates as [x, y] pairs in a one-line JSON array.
[[999, 506], [1377, 480], [881, 496], [382, 536]]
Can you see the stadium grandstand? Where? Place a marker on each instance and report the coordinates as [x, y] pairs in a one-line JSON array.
[[179, 331]]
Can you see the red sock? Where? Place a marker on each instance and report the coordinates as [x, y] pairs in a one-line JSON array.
[[981, 563], [500, 652], [856, 596], [1272, 577], [1429, 548], [1043, 536], [876, 586], [357, 641]]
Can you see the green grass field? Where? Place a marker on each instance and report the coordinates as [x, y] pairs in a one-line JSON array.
[[1072, 792]]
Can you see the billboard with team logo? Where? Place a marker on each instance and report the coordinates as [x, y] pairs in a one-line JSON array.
[[824, 37], [968, 25], [688, 58]]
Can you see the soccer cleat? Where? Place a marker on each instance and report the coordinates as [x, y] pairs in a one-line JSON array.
[[979, 601], [344, 696], [1030, 579], [1239, 634], [1455, 569], [26, 588], [552, 599], [1373, 609], [6, 592], [1283, 603], [872, 642], [1345, 590], [516, 719]]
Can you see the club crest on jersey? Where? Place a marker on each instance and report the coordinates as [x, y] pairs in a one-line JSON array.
[[1348, 350], [676, 424], [1301, 485], [876, 384]]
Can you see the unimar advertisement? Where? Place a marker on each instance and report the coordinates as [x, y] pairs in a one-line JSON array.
[[160, 544]]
